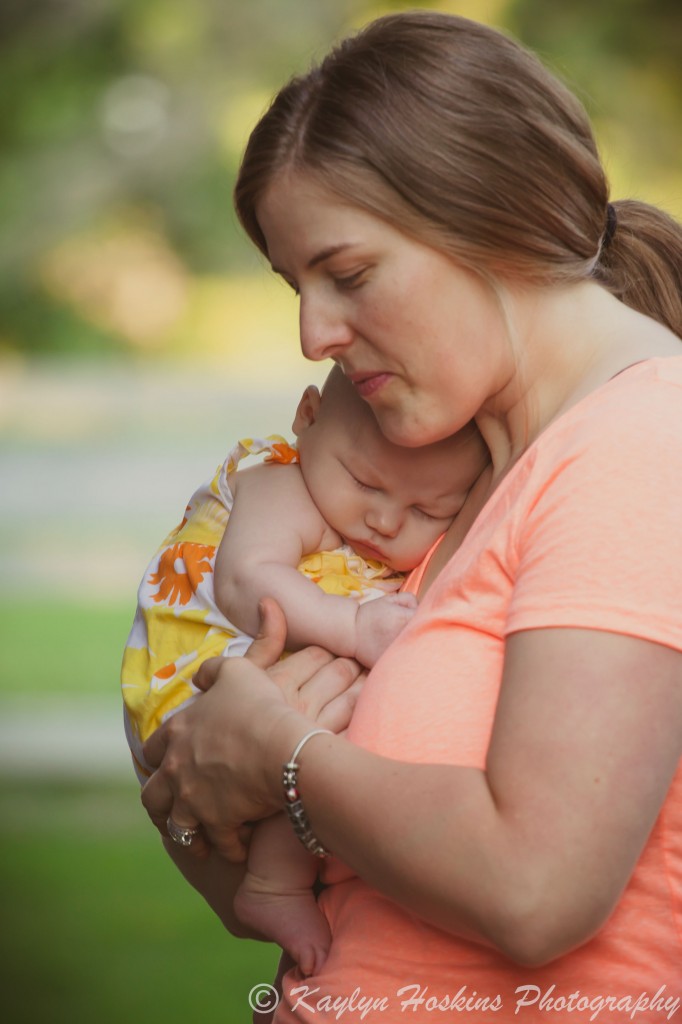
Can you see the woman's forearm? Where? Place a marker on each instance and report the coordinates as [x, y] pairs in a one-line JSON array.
[[464, 871], [433, 839], [531, 854], [428, 836]]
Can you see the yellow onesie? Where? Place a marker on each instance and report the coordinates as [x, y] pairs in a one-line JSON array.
[[178, 625]]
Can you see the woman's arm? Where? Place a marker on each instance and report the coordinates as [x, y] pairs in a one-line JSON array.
[[532, 854], [528, 856]]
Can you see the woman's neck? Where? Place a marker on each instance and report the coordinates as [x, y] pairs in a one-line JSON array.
[[567, 341], [575, 341]]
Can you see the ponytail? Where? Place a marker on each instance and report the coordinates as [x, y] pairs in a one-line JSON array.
[[642, 263]]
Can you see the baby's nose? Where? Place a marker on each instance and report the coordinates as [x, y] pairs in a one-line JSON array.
[[385, 519]]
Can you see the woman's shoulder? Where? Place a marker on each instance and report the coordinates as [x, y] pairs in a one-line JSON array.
[[638, 407], [668, 370], [626, 436], [616, 454]]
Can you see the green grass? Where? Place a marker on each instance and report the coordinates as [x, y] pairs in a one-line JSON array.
[[98, 927], [62, 647]]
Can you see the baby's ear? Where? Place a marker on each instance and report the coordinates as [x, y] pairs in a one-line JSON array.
[[307, 410]]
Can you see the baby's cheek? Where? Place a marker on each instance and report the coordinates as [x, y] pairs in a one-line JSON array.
[[428, 540], [417, 547]]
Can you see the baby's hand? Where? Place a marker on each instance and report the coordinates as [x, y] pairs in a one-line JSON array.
[[378, 623]]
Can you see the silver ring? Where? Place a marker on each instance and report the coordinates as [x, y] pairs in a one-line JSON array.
[[181, 834]]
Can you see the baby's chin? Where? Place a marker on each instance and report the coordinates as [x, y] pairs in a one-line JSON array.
[[413, 561], [406, 564]]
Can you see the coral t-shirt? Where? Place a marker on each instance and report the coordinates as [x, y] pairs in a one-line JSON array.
[[584, 532]]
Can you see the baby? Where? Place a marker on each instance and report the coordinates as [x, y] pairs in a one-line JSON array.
[[327, 528]]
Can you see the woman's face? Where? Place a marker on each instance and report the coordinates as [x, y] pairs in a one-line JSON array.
[[421, 338]]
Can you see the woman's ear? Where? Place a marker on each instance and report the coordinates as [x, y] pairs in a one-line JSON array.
[[307, 410]]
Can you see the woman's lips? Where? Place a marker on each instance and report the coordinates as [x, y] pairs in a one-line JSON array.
[[367, 384]]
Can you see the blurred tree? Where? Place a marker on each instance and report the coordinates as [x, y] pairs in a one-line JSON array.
[[624, 59], [123, 121], [123, 108]]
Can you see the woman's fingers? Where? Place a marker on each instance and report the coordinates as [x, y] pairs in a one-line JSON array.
[[201, 750], [269, 645], [309, 679], [157, 798], [178, 823], [155, 747], [312, 677], [198, 754], [314, 682], [207, 673], [337, 713], [328, 689], [265, 650], [161, 805], [231, 843]]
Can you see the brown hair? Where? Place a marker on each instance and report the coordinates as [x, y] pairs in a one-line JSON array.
[[459, 136]]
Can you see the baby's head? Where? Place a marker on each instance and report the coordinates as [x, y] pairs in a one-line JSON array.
[[389, 503]]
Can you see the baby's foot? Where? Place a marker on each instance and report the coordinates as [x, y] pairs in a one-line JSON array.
[[290, 917]]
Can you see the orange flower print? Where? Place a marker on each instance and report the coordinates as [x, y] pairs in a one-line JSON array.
[[182, 567], [167, 672], [282, 453]]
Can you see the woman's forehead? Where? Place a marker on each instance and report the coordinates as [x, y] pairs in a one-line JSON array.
[[301, 219]]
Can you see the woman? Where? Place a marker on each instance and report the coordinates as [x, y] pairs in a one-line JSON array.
[[505, 810]]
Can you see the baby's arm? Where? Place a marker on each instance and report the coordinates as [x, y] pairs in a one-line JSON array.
[[273, 523], [378, 623]]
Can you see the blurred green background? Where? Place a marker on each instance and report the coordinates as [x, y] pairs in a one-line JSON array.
[[139, 336]]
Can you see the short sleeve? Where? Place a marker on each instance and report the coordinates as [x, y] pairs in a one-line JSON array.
[[601, 544]]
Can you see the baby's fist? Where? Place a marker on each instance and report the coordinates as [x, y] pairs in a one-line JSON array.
[[378, 623]]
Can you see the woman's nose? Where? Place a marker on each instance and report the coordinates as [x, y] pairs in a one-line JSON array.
[[323, 329]]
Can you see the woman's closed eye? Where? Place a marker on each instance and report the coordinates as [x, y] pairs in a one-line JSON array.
[[351, 281]]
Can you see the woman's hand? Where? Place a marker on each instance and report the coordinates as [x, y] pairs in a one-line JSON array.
[[219, 759], [327, 698]]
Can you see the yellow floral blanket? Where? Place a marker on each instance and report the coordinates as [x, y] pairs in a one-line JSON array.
[[178, 625]]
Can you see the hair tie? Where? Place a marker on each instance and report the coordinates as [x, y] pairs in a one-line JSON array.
[[611, 225]]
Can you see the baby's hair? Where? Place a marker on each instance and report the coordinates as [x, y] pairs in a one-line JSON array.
[[460, 137]]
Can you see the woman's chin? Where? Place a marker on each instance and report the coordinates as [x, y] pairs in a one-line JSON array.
[[402, 431]]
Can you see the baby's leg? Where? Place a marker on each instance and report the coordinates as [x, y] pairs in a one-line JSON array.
[[276, 896]]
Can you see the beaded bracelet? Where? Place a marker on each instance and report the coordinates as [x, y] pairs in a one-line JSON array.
[[294, 804]]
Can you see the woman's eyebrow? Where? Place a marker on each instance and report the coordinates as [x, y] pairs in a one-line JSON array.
[[327, 253], [320, 257]]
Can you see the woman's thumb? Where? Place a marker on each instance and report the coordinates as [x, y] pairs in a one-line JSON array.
[[269, 644]]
